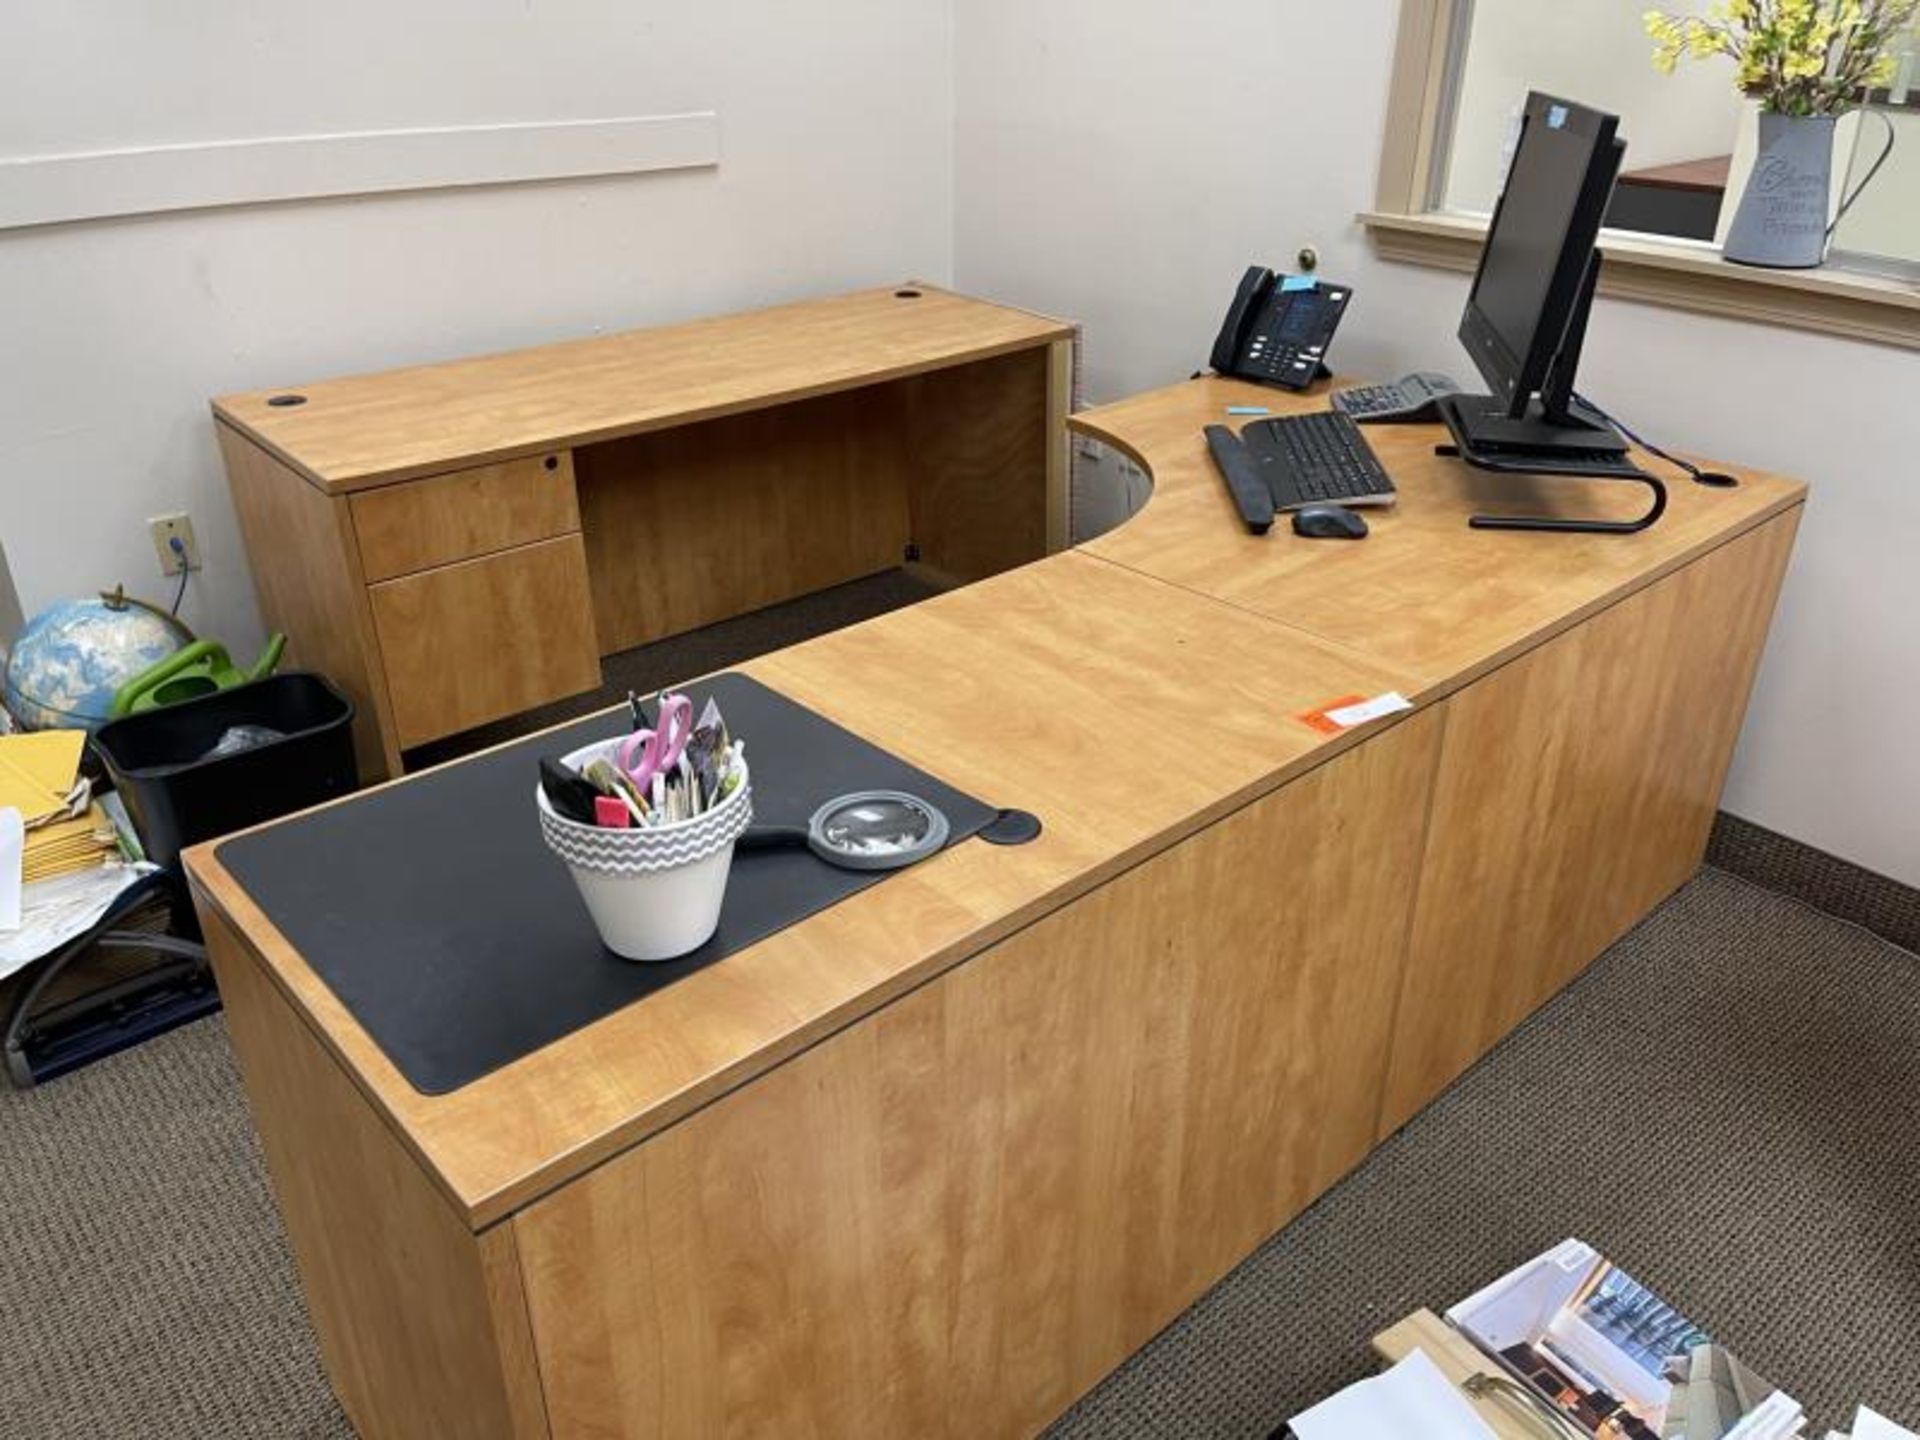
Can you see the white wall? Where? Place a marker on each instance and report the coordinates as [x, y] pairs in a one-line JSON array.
[[1114, 163], [835, 172]]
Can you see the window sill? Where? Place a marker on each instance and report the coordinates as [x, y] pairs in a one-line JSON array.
[[1688, 276]]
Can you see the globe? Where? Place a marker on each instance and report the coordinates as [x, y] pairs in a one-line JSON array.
[[70, 659]]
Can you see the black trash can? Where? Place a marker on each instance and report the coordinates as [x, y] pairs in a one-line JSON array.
[[178, 794]]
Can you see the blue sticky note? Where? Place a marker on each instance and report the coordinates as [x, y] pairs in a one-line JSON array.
[[1556, 117], [1297, 282], [1248, 410]]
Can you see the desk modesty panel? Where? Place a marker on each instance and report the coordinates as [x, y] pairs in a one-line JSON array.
[[936, 1159], [457, 543]]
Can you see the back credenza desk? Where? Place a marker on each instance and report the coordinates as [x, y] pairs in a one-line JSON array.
[[937, 1159], [453, 544]]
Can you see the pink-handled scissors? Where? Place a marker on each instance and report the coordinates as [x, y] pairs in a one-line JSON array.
[[661, 747]]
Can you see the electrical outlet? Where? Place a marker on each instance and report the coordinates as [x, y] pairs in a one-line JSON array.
[[166, 530]]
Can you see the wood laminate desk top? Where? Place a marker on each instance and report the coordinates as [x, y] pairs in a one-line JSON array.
[[1040, 688], [1423, 593], [1029, 689], [376, 429]]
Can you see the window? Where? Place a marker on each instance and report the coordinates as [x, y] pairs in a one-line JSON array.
[[1884, 224], [1462, 70], [1680, 128]]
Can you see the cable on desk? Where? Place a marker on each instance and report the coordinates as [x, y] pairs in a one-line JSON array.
[[1701, 476]]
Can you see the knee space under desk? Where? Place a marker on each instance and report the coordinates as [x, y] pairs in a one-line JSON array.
[[456, 544]]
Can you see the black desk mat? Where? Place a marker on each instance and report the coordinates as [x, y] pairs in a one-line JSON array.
[[437, 915]]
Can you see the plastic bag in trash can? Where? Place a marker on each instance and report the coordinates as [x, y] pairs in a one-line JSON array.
[[243, 737]]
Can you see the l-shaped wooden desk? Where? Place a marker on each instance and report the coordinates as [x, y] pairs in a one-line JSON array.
[[937, 1159]]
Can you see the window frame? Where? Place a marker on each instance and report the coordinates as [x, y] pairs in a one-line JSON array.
[[1859, 296]]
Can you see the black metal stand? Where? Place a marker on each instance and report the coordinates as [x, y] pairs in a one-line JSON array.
[[42, 1044], [1558, 435], [1554, 522], [1508, 462]]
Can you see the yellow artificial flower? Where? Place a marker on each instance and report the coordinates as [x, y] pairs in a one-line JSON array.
[[1798, 57]]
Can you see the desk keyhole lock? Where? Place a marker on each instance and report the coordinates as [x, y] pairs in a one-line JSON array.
[[552, 462]]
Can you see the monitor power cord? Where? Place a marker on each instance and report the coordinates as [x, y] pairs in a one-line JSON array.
[[1700, 474]]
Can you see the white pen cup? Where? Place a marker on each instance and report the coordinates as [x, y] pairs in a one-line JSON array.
[[654, 891]]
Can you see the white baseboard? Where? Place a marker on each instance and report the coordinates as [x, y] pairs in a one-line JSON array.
[[57, 189]]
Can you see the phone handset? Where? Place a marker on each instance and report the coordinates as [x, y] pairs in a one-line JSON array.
[[1255, 286]]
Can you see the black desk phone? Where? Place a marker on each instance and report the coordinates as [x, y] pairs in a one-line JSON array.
[[1279, 327]]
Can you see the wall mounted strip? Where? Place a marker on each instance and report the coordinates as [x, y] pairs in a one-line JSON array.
[[56, 189]]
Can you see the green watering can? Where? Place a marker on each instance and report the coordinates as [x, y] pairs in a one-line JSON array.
[[190, 672]]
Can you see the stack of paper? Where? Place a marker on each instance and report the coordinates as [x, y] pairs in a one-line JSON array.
[[1871, 1425], [1618, 1361], [60, 850], [64, 832], [1413, 1398]]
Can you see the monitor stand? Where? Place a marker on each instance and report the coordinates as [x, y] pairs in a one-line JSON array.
[[1559, 435], [1489, 439], [1578, 437]]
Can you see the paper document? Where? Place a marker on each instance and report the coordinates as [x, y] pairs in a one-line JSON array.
[[1351, 710], [1413, 1398], [53, 912], [1870, 1425], [1572, 1322], [37, 771], [13, 847], [1348, 716]]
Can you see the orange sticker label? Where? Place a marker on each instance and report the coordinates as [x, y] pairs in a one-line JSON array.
[[1319, 719]]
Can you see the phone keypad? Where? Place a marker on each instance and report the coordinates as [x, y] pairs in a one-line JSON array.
[[1285, 364], [1289, 363]]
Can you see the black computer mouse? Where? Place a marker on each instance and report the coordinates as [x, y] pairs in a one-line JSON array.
[[1329, 522]]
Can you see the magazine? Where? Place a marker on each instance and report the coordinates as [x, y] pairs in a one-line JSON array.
[[1615, 1358]]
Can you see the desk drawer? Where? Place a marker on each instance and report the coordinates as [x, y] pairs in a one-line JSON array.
[[486, 638], [406, 528]]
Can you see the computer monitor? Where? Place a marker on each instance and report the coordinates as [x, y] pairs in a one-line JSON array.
[[1526, 316]]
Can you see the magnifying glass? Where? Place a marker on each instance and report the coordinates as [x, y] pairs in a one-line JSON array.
[[867, 830]]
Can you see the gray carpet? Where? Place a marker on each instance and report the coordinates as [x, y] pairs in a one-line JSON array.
[[1790, 867], [146, 1289], [1728, 1103]]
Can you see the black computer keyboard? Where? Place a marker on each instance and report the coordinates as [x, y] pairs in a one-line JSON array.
[[1317, 459]]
